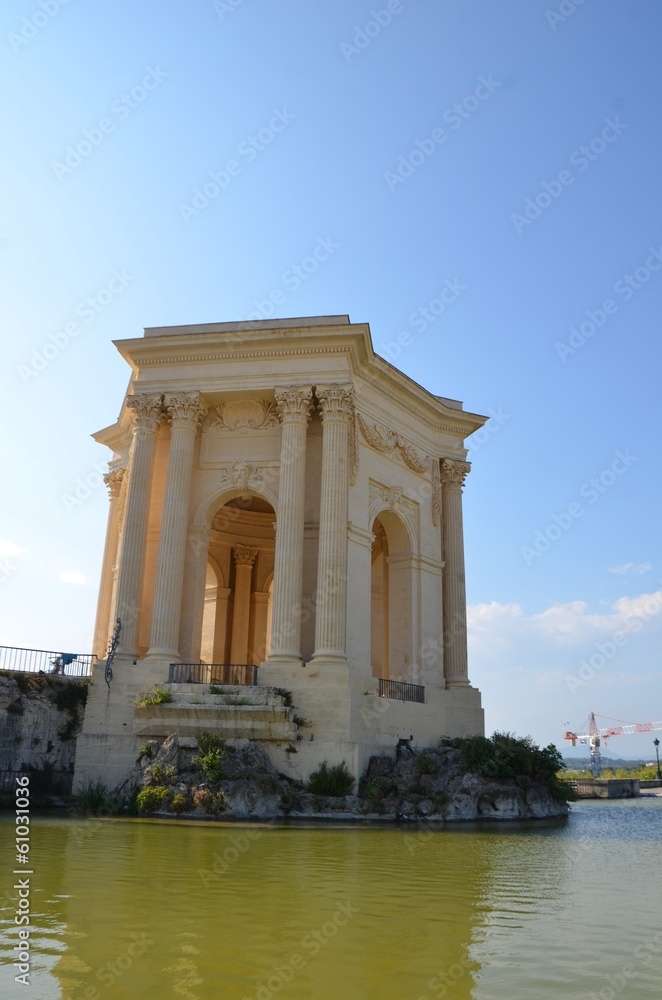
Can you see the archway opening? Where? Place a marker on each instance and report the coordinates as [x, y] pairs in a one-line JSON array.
[[391, 599], [237, 608]]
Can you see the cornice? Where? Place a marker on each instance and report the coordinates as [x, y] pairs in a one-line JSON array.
[[352, 341]]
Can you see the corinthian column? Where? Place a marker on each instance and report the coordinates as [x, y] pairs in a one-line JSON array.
[[113, 481], [294, 405], [453, 475], [244, 557], [185, 410], [336, 404], [147, 413]]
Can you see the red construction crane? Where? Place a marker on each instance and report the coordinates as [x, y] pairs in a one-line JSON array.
[[594, 736]]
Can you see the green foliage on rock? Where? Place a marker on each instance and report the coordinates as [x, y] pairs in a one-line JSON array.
[[506, 757], [152, 798], [211, 751], [180, 803], [334, 780], [425, 763]]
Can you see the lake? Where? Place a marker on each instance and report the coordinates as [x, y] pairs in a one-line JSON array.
[[149, 909]]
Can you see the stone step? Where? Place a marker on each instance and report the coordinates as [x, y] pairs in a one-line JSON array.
[[231, 693], [256, 713], [189, 718]]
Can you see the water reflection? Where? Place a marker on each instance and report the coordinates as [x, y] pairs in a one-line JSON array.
[[146, 909]]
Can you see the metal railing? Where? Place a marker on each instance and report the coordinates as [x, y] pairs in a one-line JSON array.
[[212, 673], [46, 661], [401, 691]]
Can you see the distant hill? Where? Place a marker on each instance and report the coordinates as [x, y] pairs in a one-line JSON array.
[[579, 763]]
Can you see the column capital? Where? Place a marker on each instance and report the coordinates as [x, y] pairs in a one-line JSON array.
[[453, 474], [184, 409], [147, 411], [244, 555], [113, 481], [336, 402], [294, 403]]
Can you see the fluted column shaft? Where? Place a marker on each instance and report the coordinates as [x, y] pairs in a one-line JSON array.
[[336, 406], [453, 474], [147, 412], [185, 410], [244, 558], [294, 405], [113, 481]]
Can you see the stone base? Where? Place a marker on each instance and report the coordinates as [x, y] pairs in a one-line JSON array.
[[348, 720], [106, 748]]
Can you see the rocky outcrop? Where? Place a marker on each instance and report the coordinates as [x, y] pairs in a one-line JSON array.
[[40, 717], [432, 785]]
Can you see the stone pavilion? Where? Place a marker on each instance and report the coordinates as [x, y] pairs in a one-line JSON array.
[[286, 525]]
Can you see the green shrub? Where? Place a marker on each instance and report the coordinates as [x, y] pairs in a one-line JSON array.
[[301, 723], [212, 766], [217, 804], [152, 798], [334, 780], [505, 756], [377, 788], [180, 803], [426, 764], [210, 740], [96, 798], [159, 775], [215, 689], [157, 696], [92, 797], [143, 751], [211, 747]]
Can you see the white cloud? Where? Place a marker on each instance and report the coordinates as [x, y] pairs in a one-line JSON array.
[[72, 576], [8, 549], [565, 625], [637, 568]]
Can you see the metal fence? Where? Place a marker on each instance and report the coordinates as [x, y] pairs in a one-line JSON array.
[[212, 673], [401, 691], [46, 661]]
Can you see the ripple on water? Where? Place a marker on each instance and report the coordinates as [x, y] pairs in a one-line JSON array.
[[533, 913]]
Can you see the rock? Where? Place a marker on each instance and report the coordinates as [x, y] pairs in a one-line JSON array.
[[406, 775], [168, 753], [380, 766]]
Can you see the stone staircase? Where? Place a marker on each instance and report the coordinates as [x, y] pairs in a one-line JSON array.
[[239, 712]]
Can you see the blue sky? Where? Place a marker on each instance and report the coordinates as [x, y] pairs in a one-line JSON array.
[[508, 151]]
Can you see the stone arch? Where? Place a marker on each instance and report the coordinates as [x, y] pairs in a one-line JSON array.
[[391, 596], [239, 560], [382, 505], [219, 496]]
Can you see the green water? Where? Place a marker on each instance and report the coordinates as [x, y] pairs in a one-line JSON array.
[[136, 909]]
